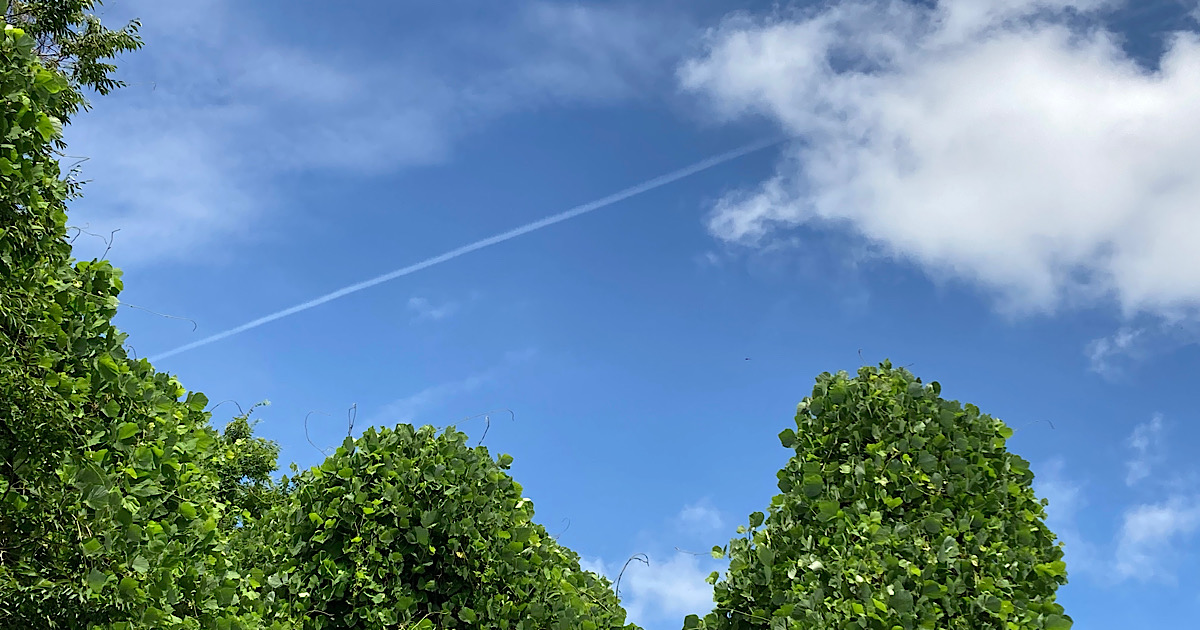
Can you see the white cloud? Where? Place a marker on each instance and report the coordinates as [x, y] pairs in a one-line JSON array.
[[1146, 442], [675, 589], [1151, 536], [424, 309], [982, 140], [700, 517], [660, 590], [672, 585], [190, 155]]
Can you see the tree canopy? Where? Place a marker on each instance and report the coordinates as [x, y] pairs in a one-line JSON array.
[[898, 509]]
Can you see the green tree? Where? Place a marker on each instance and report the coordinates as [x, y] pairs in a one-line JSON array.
[[898, 510], [414, 529], [108, 509]]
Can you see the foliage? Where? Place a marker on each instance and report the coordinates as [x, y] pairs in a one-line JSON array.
[[107, 500], [899, 509], [244, 467], [71, 41], [415, 528]]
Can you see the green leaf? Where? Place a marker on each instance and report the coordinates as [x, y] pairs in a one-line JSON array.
[[92, 547], [140, 564], [111, 409], [787, 437], [96, 580], [756, 519], [197, 401], [107, 367], [49, 127], [127, 586], [127, 430], [1058, 622], [505, 460]]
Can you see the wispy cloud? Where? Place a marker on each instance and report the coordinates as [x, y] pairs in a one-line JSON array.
[[423, 309], [1146, 444], [1106, 354], [1150, 538], [1066, 501], [1012, 144], [189, 155], [1112, 356], [413, 407]]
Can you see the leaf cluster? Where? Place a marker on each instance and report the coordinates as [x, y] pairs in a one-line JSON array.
[[70, 40]]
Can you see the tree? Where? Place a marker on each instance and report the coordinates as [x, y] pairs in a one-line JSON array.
[[899, 509], [409, 528], [107, 497]]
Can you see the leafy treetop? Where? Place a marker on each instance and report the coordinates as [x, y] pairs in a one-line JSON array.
[[898, 510]]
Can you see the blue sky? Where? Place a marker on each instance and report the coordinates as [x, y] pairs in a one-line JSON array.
[[999, 194]]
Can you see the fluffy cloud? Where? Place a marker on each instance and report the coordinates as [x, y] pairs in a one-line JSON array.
[[995, 141], [659, 590], [1150, 533]]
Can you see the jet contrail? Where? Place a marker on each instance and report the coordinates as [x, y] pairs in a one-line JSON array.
[[657, 182]]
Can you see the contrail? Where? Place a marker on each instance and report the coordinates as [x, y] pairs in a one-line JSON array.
[[657, 182]]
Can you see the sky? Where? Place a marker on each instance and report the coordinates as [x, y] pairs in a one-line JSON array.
[[998, 194]]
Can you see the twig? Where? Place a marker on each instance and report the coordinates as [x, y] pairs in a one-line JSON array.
[[306, 436], [228, 400], [112, 236], [564, 530], [487, 418], [640, 557], [142, 308]]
